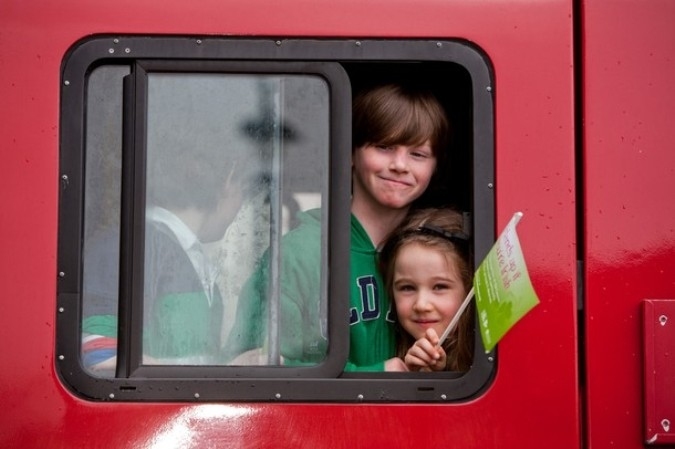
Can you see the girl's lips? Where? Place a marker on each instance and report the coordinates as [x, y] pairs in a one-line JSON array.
[[425, 322]]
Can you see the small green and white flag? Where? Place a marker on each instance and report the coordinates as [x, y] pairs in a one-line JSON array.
[[502, 286], [504, 292]]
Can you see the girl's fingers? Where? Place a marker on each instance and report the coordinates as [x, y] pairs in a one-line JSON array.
[[423, 354], [428, 347], [432, 336]]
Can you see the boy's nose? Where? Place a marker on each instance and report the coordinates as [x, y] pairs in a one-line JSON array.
[[399, 160]]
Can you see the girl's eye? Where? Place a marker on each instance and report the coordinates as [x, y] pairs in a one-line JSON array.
[[384, 147], [441, 287], [405, 288]]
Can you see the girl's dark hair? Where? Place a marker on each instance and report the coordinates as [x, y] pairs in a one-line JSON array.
[[442, 229]]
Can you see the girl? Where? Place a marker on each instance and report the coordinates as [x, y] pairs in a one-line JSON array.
[[427, 271]]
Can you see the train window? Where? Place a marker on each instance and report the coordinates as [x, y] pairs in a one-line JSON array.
[[216, 155], [184, 165]]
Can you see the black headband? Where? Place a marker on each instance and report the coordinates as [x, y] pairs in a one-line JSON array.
[[438, 232]]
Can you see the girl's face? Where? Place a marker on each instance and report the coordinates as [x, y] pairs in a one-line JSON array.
[[392, 176], [428, 289]]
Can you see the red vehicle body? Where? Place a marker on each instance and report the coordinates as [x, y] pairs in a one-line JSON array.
[[584, 147]]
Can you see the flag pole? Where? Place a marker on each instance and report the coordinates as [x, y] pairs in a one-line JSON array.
[[455, 319]]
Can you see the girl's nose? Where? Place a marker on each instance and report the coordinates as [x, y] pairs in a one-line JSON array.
[[422, 303]]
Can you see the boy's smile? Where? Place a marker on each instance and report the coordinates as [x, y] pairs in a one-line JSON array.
[[392, 176]]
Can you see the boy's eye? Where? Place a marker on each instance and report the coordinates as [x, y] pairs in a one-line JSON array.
[[420, 154], [384, 147]]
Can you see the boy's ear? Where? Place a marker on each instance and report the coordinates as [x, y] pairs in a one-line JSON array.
[[230, 175]]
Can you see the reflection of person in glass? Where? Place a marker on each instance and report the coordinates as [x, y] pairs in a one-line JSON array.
[[398, 136], [193, 196]]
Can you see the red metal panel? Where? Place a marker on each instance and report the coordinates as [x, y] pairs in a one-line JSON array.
[[629, 179], [659, 370], [533, 401]]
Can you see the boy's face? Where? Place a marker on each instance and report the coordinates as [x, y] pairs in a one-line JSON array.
[[392, 176], [219, 218]]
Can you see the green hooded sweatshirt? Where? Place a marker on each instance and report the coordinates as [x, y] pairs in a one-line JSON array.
[[302, 324]]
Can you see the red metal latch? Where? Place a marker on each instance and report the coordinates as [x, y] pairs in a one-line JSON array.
[[659, 370]]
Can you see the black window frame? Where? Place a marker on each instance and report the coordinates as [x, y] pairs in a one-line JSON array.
[[227, 55], [133, 224]]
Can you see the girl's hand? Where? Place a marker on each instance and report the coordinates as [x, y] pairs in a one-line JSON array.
[[254, 357], [425, 354], [395, 364]]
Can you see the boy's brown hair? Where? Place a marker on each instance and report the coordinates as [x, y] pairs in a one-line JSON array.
[[396, 114]]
